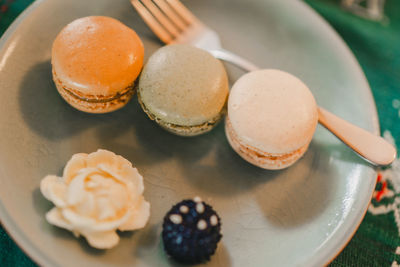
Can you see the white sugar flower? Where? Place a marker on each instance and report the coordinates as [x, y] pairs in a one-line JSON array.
[[98, 194]]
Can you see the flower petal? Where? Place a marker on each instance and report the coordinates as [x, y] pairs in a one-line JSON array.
[[106, 209], [54, 189], [139, 216], [74, 165], [108, 225], [80, 223], [138, 181], [88, 206], [76, 189], [112, 172], [55, 217], [101, 156], [102, 240]]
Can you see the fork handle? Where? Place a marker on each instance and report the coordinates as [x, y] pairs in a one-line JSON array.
[[230, 57], [372, 148]]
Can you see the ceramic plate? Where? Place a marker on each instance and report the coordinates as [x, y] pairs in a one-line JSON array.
[[302, 216]]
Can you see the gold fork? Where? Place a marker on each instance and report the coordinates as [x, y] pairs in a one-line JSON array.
[[172, 22]]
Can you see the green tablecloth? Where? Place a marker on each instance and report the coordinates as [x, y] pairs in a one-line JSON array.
[[377, 47]]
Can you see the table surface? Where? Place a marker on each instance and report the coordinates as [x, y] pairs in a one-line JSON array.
[[376, 45]]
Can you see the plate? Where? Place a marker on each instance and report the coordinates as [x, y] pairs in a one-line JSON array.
[[303, 215]]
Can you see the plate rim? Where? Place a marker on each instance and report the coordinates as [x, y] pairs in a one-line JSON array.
[[5, 220], [349, 233], [323, 258]]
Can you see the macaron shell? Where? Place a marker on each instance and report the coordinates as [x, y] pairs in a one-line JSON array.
[[97, 56], [180, 130], [273, 111], [183, 85], [262, 159]]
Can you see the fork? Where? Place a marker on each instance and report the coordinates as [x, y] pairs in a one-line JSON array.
[[173, 23]]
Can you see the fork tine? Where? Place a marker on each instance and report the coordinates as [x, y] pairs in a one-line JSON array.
[[166, 8], [154, 25], [164, 21], [182, 11]]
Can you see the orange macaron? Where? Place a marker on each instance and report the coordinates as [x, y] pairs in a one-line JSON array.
[[95, 63]]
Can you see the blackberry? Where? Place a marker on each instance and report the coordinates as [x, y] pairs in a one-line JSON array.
[[191, 231]]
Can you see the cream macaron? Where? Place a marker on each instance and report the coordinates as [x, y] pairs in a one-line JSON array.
[[184, 89], [95, 62], [272, 116]]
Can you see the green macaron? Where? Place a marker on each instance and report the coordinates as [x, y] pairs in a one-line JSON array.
[[184, 89]]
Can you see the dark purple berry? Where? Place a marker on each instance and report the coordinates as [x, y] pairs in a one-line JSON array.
[[191, 231]]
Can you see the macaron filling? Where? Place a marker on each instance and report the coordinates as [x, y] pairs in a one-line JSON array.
[[94, 103], [128, 91], [261, 158]]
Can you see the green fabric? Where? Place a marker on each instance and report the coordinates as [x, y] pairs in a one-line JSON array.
[[377, 47], [9, 10]]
